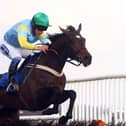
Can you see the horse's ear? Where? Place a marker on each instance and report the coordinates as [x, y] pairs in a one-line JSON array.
[[79, 28], [63, 30]]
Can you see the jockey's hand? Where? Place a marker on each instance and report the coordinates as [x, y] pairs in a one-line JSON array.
[[43, 48]]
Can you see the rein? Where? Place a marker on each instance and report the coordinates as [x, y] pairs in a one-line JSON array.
[[21, 97], [46, 68], [54, 51], [68, 60], [43, 67], [32, 68], [72, 61]]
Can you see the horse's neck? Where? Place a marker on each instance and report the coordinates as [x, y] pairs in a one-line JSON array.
[[61, 54], [56, 57], [53, 59]]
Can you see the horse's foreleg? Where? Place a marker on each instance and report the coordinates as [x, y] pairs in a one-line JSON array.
[[50, 111], [72, 95], [55, 95], [60, 97]]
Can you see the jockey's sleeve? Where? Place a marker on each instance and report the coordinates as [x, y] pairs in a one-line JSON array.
[[22, 38], [44, 39]]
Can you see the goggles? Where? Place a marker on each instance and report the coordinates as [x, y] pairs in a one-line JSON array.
[[41, 28]]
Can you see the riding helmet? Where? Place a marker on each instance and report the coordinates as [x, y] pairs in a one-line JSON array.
[[40, 20]]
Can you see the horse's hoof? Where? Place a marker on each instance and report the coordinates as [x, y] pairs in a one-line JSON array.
[[63, 120]]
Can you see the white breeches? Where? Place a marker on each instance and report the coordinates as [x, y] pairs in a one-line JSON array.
[[15, 52]]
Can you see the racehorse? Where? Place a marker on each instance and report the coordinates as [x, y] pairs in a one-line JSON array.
[[44, 81]]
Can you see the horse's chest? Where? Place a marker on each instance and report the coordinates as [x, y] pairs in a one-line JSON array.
[[53, 81]]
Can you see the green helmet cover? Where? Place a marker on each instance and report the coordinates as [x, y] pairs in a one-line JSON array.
[[41, 19]]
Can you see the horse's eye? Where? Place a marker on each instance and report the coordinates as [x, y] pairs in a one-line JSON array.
[[77, 36]]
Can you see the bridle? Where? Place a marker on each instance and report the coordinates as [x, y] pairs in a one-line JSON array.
[[76, 55], [70, 60]]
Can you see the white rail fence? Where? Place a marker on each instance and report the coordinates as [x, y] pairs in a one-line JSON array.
[[99, 98]]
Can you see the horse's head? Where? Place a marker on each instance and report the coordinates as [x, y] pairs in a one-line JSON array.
[[77, 48]]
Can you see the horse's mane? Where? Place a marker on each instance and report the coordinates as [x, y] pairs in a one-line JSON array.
[[56, 36]]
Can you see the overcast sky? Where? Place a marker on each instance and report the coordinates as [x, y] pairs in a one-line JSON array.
[[103, 26]]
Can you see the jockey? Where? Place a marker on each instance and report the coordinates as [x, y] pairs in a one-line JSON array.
[[19, 43]]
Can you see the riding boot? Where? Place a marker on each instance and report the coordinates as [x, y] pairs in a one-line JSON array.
[[13, 88]]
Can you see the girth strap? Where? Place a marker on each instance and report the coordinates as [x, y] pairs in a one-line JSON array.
[[46, 68]]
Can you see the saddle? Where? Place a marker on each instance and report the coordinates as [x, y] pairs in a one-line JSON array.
[[19, 76]]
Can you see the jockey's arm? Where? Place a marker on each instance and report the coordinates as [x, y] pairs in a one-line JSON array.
[[44, 39], [22, 39], [22, 31], [25, 44]]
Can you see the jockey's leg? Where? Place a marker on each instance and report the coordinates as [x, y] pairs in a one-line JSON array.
[[4, 50], [12, 53], [4, 80], [13, 87], [13, 67]]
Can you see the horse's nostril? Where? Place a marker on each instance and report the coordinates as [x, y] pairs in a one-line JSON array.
[[87, 60], [90, 58]]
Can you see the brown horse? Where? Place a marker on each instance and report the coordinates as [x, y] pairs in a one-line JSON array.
[[44, 81]]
